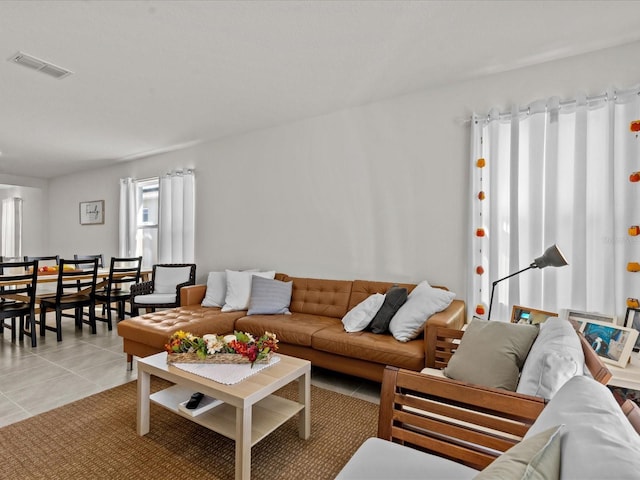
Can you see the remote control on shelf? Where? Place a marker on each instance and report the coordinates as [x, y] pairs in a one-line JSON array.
[[194, 401]]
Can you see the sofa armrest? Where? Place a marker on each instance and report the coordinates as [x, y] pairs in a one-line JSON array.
[[142, 288], [467, 423], [451, 317], [192, 294]]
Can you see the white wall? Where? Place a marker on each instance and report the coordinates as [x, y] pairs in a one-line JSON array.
[[376, 192]]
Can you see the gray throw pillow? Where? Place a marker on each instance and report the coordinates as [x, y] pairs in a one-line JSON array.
[[393, 300], [269, 297], [491, 354]]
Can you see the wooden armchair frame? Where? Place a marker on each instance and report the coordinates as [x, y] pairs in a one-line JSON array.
[[462, 422], [465, 423]]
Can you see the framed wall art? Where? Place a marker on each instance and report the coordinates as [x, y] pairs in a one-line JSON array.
[[611, 342], [92, 213]]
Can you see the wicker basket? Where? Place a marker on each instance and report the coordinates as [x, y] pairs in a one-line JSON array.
[[233, 358]]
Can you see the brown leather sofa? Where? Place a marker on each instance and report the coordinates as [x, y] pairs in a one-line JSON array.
[[313, 331]]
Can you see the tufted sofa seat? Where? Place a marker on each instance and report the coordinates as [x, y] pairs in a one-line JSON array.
[[313, 330]]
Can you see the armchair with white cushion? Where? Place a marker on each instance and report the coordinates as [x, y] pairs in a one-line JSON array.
[[163, 291]]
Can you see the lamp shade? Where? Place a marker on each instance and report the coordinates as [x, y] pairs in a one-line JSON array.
[[552, 257]]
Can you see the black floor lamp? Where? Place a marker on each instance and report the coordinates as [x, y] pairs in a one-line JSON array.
[[552, 257]]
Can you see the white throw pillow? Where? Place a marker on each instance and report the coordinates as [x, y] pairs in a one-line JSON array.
[[361, 315], [167, 278], [421, 303], [555, 357], [216, 290], [597, 440], [239, 289]]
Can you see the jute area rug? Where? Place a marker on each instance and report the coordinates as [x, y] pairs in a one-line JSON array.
[[96, 438]]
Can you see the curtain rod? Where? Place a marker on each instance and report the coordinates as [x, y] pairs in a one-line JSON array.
[[589, 100]]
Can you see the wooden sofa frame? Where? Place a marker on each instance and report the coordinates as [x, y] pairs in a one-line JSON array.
[[465, 423]]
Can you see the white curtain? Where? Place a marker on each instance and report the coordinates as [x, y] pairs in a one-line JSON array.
[[12, 227], [176, 223], [555, 173], [128, 218]]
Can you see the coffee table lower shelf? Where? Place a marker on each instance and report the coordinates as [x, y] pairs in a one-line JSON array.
[[268, 414]]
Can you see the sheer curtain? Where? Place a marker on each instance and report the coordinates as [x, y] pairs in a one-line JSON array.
[[11, 227], [558, 173], [176, 223], [128, 218]]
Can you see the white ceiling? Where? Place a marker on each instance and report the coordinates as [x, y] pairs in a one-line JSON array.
[[151, 76]]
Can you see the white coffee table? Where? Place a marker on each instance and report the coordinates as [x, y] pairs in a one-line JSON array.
[[249, 413]]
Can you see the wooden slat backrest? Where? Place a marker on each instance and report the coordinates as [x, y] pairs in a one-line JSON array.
[[446, 342], [466, 423]]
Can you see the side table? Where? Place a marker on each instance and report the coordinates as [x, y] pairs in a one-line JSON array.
[[628, 377]]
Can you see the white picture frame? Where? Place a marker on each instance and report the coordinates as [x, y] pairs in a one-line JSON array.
[[577, 317], [92, 212], [613, 343]]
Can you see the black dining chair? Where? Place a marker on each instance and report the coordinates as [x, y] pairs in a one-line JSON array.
[[75, 290], [41, 260], [99, 256], [123, 273], [18, 298]]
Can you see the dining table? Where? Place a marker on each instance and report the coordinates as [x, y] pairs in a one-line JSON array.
[[51, 277]]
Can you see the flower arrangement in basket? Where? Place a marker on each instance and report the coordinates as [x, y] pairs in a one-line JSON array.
[[239, 347]]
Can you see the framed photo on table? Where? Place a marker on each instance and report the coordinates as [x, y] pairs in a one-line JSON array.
[[577, 318], [529, 316], [632, 320], [92, 213], [611, 342]]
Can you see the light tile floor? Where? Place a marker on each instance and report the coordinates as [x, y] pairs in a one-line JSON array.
[[34, 380]]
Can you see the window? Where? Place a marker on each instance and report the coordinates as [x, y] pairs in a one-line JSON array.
[[157, 218], [147, 221]]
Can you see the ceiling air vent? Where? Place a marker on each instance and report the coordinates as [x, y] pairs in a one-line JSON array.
[[34, 63]]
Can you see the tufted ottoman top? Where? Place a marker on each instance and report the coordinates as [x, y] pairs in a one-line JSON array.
[[154, 329]]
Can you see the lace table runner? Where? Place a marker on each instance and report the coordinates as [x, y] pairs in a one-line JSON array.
[[226, 373]]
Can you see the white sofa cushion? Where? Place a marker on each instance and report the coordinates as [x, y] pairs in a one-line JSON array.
[[383, 460], [361, 315], [555, 357], [597, 440], [216, 290], [155, 298]]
